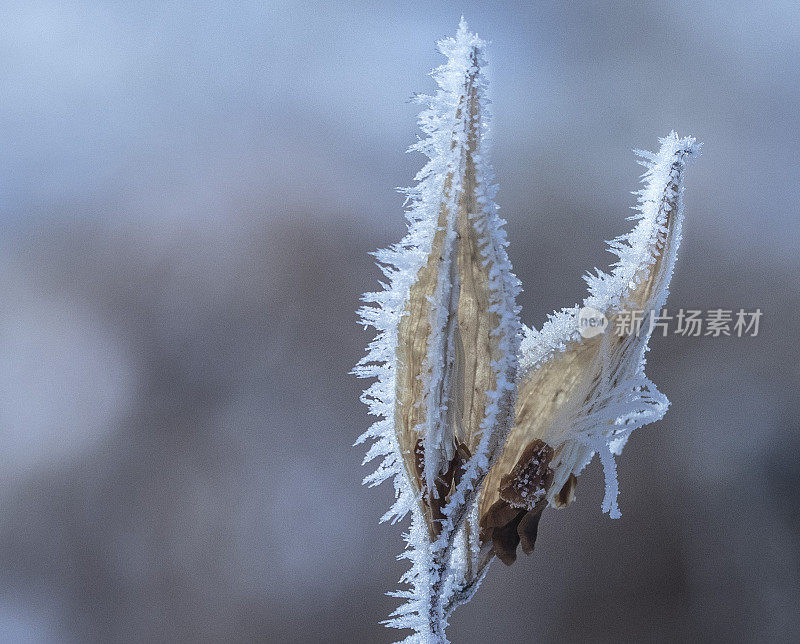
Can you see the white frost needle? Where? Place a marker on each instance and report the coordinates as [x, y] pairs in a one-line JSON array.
[[478, 433]]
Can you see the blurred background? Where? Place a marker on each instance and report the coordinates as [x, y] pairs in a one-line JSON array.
[[188, 193]]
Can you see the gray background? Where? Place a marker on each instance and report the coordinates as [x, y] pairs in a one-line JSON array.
[[188, 192]]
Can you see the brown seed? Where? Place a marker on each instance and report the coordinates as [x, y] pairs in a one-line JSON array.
[[527, 530], [567, 493], [526, 484], [498, 515], [505, 541]]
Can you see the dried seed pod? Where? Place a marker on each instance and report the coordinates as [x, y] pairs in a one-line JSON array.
[[446, 352], [455, 365], [584, 393]]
